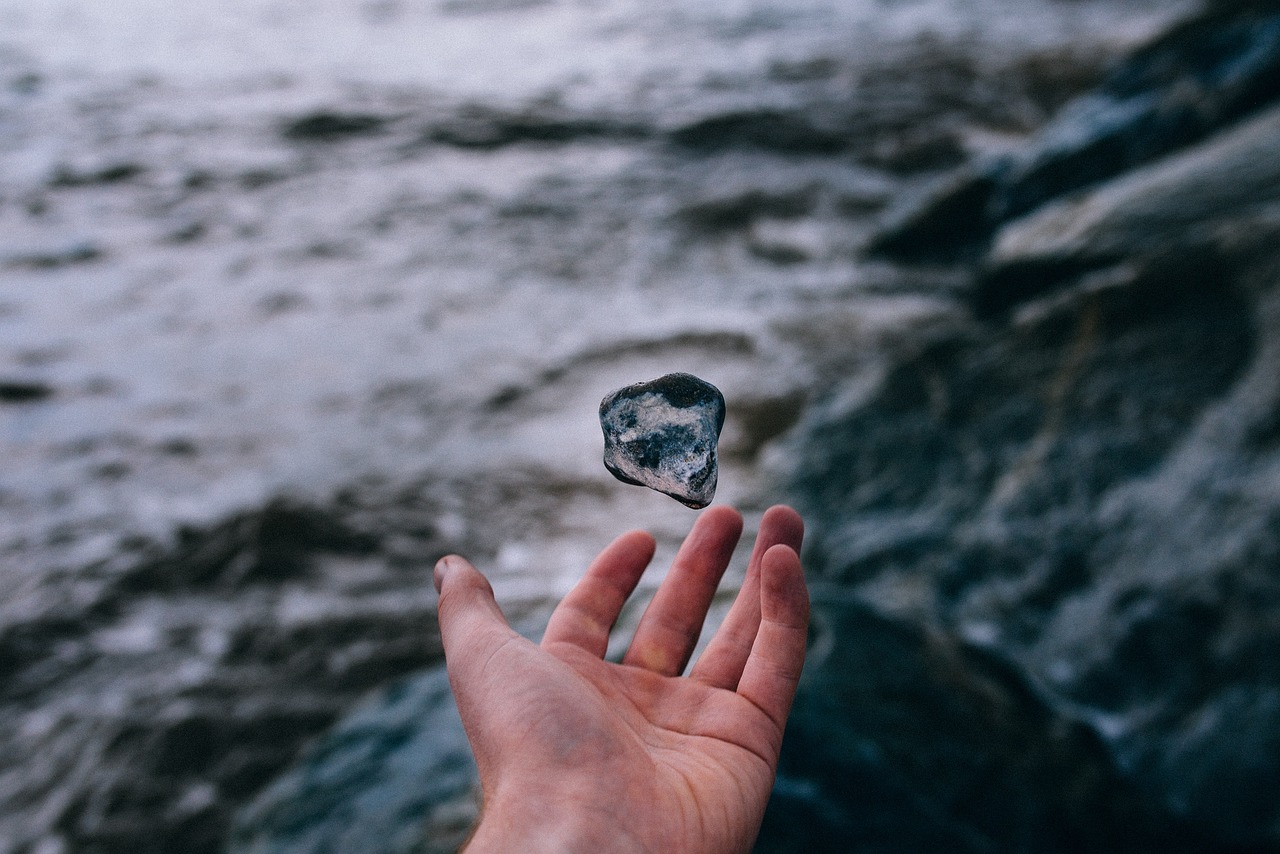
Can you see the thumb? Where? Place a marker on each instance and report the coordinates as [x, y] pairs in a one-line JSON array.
[[474, 633], [471, 623]]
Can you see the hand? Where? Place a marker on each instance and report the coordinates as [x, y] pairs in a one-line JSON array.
[[577, 754]]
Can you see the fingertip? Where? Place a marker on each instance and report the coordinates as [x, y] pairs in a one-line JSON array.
[[784, 525], [444, 566], [786, 596], [783, 514], [782, 552], [466, 596], [457, 574], [641, 541], [723, 513]]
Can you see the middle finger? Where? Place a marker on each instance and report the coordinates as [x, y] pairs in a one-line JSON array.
[[669, 629]]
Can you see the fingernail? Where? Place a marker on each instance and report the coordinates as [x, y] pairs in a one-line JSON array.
[[442, 568]]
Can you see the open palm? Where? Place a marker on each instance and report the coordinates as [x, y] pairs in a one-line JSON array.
[[579, 754]]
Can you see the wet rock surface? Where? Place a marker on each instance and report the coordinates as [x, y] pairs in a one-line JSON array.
[[663, 434], [1202, 75], [1068, 500], [1000, 769]]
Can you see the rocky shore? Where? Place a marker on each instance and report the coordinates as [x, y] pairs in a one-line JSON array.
[[1048, 602], [996, 310]]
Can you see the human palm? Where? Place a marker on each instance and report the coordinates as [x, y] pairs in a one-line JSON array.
[[578, 753]]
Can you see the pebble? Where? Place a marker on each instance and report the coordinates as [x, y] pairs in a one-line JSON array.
[[663, 433]]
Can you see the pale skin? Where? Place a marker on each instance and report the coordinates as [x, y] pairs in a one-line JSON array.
[[579, 754]]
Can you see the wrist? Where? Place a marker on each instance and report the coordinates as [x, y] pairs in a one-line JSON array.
[[538, 825]]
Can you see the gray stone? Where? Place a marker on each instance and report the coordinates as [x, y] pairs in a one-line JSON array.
[[662, 434], [907, 739], [1080, 485], [1207, 197], [1203, 75]]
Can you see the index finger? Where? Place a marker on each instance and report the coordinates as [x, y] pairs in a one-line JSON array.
[[585, 617]]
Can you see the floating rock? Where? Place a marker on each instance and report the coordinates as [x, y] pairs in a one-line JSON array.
[[662, 434]]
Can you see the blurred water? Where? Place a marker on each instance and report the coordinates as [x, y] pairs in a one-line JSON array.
[[596, 49], [302, 314]]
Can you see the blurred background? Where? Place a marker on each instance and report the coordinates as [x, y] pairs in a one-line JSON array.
[[296, 297]]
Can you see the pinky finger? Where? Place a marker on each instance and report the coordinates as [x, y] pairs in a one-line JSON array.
[[773, 668]]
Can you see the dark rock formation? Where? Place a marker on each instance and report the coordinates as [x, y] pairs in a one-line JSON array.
[[1070, 501], [1044, 541], [1179, 210], [906, 739], [663, 434], [1198, 78]]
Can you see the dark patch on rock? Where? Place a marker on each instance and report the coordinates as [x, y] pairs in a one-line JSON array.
[[762, 420], [282, 302], [948, 226], [742, 209], [912, 151], [802, 71], [54, 256], [270, 545], [179, 447], [254, 179], [112, 470], [187, 232], [1000, 289]]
